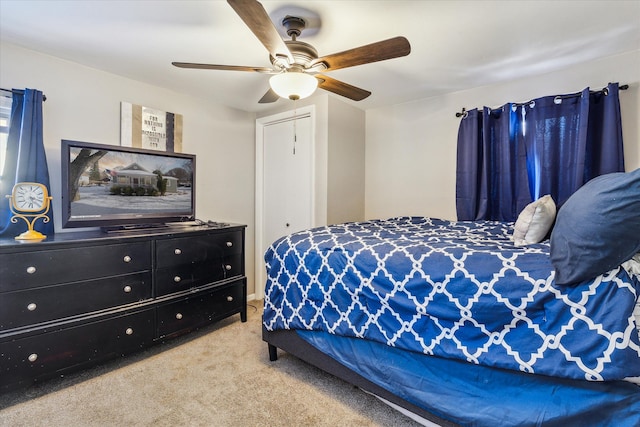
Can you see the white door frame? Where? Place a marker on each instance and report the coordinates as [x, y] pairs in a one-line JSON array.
[[308, 111]]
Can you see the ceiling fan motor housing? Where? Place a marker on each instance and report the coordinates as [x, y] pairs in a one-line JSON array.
[[303, 53], [294, 25]]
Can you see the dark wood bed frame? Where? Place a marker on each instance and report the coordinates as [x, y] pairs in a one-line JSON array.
[[290, 341]]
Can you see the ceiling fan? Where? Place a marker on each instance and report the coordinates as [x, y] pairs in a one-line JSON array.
[[296, 66]]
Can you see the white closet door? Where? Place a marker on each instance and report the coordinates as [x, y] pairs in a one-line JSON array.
[[287, 182]]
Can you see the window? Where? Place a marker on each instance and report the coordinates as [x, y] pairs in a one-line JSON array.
[[5, 116]]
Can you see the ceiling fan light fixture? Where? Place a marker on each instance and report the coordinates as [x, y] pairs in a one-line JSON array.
[[293, 85]]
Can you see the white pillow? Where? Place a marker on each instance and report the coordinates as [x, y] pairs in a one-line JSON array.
[[534, 222]]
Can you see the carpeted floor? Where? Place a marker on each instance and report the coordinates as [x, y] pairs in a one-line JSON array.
[[218, 376]]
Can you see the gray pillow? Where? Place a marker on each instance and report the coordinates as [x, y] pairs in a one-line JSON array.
[[534, 222], [598, 228]]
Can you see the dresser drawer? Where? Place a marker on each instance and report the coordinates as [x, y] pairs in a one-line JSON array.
[[183, 277], [36, 305], [193, 250], [46, 355], [195, 311], [25, 270]]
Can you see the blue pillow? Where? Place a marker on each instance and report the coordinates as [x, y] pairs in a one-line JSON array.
[[597, 228]]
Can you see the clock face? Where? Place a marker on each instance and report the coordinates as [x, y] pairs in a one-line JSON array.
[[29, 196]]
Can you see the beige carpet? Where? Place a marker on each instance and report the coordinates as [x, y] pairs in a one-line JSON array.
[[218, 376]]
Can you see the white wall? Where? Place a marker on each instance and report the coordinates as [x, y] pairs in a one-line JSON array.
[[83, 104], [411, 147], [345, 162]]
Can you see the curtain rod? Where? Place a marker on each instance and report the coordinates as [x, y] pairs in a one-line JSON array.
[[44, 98], [605, 90]]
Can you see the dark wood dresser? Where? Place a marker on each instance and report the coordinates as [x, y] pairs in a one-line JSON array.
[[76, 299]]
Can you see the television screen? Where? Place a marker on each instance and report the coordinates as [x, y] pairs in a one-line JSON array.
[[111, 186]]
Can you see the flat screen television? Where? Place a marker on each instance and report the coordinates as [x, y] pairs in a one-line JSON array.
[[115, 187]]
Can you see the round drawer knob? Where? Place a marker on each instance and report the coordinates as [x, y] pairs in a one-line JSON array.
[[126, 258], [177, 251], [229, 298], [229, 244], [227, 267], [177, 279], [32, 306], [129, 331], [31, 270], [178, 316], [127, 289], [33, 357]]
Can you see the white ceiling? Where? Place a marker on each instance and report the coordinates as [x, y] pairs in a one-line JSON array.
[[456, 45]]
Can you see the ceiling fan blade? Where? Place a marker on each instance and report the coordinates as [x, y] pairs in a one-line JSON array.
[[374, 52], [223, 67], [257, 19], [269, 97], [341, 88]]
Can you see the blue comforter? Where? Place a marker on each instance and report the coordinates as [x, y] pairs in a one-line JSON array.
[[459, 290]]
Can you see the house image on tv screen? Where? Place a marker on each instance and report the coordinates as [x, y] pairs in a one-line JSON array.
[[135, 176]]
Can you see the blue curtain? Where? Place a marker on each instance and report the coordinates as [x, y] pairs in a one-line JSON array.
[[553, 145], [572, 139], [26, 159], [491, 166]]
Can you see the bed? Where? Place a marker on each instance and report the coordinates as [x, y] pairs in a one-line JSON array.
[[467, 322], [455, 323]]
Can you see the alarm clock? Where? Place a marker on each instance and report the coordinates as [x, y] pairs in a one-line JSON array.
[[30, 201]]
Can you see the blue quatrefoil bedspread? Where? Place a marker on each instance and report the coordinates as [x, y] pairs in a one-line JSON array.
[[459, 290]]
